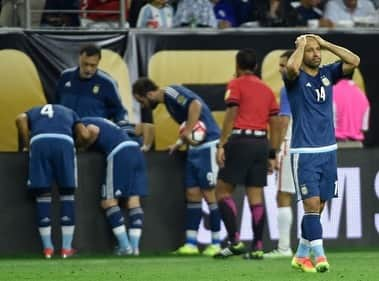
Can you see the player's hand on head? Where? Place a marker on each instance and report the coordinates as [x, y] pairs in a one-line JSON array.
[[301, 41], [319, 40]]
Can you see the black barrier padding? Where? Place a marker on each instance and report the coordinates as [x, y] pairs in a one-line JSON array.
[[164, 207]]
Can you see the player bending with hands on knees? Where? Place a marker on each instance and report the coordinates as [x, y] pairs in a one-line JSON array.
[[184, 105], [313, 146], [48, 132]]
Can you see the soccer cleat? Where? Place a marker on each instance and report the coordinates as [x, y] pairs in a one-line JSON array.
[[231, 250], [48, 253], [211, 250], [322, 264], [277, 253], [303, 264], [187, 249], [254, 255], [67, 253], [135, 252], [123, 251]]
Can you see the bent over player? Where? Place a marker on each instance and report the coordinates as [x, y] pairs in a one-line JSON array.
[[126, 177], [48, 132]]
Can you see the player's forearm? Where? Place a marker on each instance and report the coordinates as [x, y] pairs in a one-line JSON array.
[[295, 61], [148, 133], [346, 55], [193, 114], [275, 132], [227, 126], [23, 130]]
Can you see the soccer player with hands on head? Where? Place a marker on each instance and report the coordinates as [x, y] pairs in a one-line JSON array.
[[313, 145]]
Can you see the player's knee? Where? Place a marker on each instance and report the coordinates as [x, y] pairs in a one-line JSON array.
[[108, 203], [193, 194]]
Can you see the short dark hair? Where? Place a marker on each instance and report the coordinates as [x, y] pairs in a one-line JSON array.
[[142, 86], [90, 50], [246, 59], [287, 54]]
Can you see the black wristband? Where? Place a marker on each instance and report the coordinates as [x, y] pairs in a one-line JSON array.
[[272, 153]]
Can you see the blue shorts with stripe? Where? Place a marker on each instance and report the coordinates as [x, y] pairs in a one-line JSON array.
[[315, 174], [201, 167], [126, 173], [52, 158]]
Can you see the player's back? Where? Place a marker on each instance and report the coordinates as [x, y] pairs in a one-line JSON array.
[[110, 134], [51, 119], [177, 101], [311, 104]]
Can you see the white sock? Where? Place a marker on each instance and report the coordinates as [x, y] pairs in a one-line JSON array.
[[284, 225]]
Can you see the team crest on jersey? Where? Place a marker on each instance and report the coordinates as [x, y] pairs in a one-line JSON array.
[[325, 81], [95, 89], [304, 189], [181, 99], [67, 84]]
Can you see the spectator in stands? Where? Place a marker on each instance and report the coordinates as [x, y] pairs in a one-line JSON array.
[[135, 7], [245, 11], [61, 19], [351, 113], [345, 12], [13, 12], [155, 14], [224, 12], [48, 132], [306, 13], [195, 13], [103, 19]]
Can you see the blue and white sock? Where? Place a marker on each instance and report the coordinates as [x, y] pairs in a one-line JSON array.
[[44, 220], [67, 220], [193, 218], [135, 223], [116, 220], [215, 221]]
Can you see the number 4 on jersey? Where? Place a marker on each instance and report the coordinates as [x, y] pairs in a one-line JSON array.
[[47, 110]]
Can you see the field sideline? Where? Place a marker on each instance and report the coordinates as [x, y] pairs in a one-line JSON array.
[[346, 266]]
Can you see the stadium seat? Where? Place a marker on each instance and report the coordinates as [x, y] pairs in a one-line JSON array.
[[21, 89]]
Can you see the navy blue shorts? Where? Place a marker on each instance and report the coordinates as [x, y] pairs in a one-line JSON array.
[[201, 167], [315, 174], [52, 159], [126, 173]]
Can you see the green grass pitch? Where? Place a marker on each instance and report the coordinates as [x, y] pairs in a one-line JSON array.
[[345, 266]]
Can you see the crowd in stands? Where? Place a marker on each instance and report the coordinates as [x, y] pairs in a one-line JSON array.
[[192, 13]]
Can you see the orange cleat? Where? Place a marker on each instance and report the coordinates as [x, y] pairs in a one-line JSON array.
[[304, 264]]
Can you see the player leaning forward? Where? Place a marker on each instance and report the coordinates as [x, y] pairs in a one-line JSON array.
[[183, 105], [313, 147]]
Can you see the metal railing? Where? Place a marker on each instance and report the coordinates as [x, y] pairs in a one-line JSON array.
[[121, 12]]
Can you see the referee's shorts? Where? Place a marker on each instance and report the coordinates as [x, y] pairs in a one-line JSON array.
[[246, 161]]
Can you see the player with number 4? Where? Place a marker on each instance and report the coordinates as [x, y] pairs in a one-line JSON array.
[[184, 105], [49, 132], [313, 146]]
